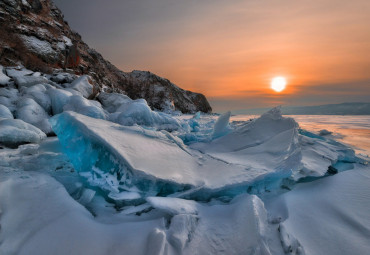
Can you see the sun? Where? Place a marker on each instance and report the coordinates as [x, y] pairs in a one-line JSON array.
[[278, 83]]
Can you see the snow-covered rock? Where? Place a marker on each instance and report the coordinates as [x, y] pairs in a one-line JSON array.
[[38, 46], [14, 132]]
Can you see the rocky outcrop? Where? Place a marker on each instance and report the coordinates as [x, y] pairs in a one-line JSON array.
[[35, 34]]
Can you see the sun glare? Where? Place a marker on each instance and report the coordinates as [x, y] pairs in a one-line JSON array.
[[278, 84]]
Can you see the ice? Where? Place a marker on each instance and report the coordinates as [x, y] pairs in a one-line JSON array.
[[5, 113], [31, 112], [17, 72], [117, 158], [14, 132], [124, 195], [222, 127], [319, 153], [63, 78], [268, 144], [86, 107], [112, 101], [38, 93], [4, 79], [196, 116], [28, 81], [138, 112], [275, 142], [9, 97], [59, 98], [83, 85]]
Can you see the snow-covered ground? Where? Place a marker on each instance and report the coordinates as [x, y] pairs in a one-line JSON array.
[[119, 178]]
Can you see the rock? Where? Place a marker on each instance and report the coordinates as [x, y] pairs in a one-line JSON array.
[[36, 35], [325, 132], [72, 57]]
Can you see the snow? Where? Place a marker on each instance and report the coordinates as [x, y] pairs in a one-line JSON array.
[[24, 2], [328, 216], [78, 231], [173, 205], [38, 46], [67, 41]]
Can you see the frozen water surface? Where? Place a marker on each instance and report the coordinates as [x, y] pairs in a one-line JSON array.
[[120, 178]]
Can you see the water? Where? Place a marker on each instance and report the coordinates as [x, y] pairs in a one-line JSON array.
[[351, 130]]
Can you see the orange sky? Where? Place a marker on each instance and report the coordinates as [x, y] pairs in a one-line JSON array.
[[230, 50]]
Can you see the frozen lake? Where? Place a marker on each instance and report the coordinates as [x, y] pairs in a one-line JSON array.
[[351, 130]]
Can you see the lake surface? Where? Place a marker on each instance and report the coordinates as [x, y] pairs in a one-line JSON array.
[[351, 130]]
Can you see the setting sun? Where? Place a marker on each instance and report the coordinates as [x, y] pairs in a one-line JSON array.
[[278, 84]]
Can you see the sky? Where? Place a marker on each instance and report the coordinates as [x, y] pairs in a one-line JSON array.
[[229, 50]]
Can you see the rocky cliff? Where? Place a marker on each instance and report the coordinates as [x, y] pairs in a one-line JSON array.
[[35, 34]]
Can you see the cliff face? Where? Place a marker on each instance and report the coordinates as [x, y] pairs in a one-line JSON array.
[[35, 34]]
